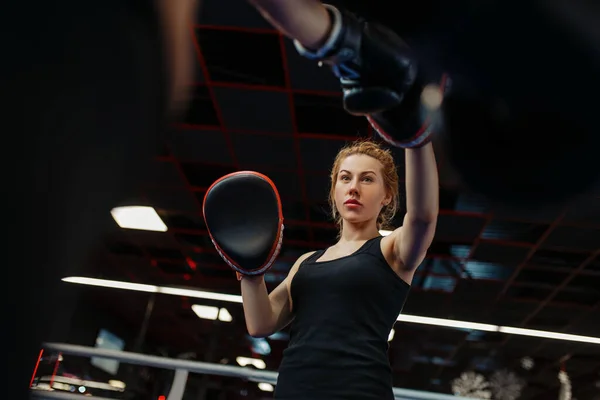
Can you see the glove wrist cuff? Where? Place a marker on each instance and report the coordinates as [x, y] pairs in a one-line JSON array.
[[419, 139], [332, 41], [252, 278]]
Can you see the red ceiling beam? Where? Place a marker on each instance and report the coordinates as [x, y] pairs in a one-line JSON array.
[[530, 254], [466, 214], [218, 283], [172, 158], [469, 256], [573, 322], [304, 135], [267, 88], [522, 265], [211, 92], [560, 287], [311, 224]]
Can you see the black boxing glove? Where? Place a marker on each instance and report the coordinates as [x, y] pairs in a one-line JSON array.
[[374, 65], [412, 123]]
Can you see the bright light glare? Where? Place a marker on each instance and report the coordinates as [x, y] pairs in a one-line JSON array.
[[265, 387], [138, 217], [256, 362], [224, 315], [205, 312]]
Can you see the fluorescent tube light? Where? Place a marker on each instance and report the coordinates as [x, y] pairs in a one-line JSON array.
[[415, 319]]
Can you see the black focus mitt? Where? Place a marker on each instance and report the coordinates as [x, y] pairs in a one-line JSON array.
[[244, 219]]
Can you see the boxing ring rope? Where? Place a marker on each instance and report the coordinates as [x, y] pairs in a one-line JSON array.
[[44, 395], [199, 368]]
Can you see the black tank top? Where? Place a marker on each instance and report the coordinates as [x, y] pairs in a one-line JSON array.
[[344, 310]]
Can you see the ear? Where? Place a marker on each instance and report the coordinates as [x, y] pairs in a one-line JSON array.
[[387, 200]]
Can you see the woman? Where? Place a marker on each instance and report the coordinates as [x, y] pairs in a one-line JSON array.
[[343, 301]]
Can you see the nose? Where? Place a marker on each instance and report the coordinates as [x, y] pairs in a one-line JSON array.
[[353, 187]]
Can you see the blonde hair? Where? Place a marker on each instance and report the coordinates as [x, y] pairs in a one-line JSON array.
[[390, 179]]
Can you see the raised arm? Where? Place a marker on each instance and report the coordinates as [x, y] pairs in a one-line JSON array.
[[408, 244]]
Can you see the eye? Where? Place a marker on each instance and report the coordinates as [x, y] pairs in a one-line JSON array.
[[344, 178], [368, 179]]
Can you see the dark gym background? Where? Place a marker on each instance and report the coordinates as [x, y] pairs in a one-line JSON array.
[[258, 105]]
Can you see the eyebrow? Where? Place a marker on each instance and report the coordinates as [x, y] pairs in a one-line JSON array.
[[364, 172]]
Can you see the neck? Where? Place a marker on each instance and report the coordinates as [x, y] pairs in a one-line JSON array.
[[352, 232]]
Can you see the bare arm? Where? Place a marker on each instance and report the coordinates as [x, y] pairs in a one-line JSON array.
[[408, 244], [307, 21], [268, 313], [422, 206]]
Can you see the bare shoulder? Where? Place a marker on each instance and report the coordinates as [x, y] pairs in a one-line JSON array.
[[292, 273], [299, 261], [286, 283]]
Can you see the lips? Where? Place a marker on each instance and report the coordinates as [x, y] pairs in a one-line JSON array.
[[352, 202]]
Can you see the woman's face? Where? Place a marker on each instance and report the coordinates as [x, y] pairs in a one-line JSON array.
[[359, 189]]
